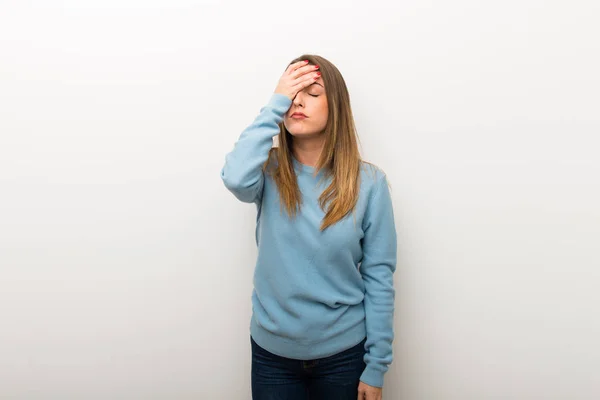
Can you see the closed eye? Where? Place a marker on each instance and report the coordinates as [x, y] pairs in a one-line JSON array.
[[314, 95]]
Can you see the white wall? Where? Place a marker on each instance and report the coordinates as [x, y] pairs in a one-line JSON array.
[[126, 266]]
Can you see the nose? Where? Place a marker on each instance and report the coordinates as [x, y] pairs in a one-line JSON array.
[[299, 99]]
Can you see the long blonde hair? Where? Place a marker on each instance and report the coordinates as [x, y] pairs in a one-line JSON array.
[[340, 158]]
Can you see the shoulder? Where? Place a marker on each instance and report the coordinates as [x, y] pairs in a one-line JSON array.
[[376, 195], [372, 178]]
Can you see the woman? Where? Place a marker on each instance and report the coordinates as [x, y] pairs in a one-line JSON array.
[[323, 298]]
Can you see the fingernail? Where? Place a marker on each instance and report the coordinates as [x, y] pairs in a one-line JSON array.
[[316, 66]]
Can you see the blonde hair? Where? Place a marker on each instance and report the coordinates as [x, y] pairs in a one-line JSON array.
[[340, 158]]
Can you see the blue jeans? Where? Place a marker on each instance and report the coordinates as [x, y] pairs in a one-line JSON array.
[[331, 378]]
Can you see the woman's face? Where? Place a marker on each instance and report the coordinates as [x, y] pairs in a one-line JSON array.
[[312, 102]]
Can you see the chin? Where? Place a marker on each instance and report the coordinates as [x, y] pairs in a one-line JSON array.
[[296, 133], [301, 131]]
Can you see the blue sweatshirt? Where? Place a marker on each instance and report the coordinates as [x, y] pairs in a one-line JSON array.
[[316, 293]]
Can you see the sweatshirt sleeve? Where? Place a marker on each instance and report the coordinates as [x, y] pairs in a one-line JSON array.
[[377, 268], [242, 173]]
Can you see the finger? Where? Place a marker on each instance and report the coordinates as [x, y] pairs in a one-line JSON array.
[[292, 67], [303, 70], [305, 81]]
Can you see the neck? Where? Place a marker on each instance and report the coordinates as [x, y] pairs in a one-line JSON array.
[[308, 150]]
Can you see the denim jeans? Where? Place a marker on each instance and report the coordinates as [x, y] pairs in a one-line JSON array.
[[330, 378]]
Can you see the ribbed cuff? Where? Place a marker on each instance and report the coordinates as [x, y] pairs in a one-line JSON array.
[[372, 376], [280, 103]]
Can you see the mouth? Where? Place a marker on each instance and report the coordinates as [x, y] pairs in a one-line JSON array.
[[298, 116]]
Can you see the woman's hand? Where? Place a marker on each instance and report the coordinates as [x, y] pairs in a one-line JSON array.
[[296, 77], [366, 392]]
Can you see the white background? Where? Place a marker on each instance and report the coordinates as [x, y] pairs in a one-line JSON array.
[[126, 266]]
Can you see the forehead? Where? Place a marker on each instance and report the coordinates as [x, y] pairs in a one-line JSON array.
[[317, 84]]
